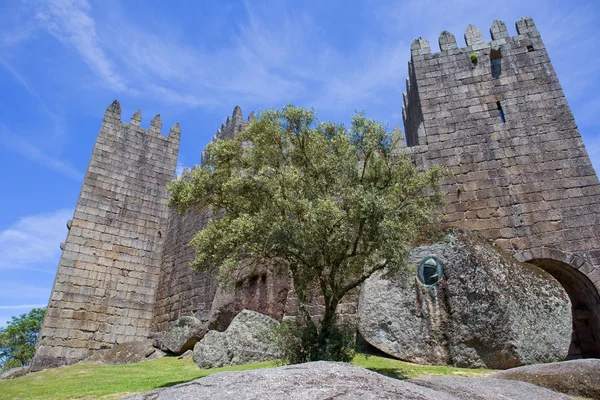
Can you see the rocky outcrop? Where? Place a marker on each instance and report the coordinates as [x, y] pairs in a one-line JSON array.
[[247, 339], [576, 377], [462, 301], [486, 389], [183, 335], [127, 353], [14, 373], [328, 380]]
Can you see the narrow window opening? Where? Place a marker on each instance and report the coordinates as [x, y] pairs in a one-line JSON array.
[[530, 47], [501, 112], [496, 61]]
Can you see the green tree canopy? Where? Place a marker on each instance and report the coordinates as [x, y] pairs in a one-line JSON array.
[[19, 337], [336, 204]]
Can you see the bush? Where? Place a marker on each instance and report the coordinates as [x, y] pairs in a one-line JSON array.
[[473, 58], [300, 342]]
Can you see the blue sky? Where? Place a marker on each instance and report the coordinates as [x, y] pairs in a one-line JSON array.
[[63, 62]]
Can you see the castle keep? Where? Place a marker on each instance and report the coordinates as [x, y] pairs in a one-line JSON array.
[[493, 112]]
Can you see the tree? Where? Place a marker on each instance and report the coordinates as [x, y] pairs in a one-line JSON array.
[[336, 204], [18, 339]]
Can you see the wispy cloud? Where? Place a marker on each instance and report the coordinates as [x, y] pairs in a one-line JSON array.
[[22, 306], [59, 133], [69, 21], [12, 290], [269, 55], [14, 142], [33, 241]]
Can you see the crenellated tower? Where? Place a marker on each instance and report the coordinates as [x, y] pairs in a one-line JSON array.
[[496, 115], [106, 282]]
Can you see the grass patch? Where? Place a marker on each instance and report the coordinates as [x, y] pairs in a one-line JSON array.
[[99, 381], [404, 370]]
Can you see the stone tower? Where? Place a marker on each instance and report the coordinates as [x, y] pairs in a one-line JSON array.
[[108, 274], [496, 115]]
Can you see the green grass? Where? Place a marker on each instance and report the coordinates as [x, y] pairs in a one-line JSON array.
[[99, 381], [404, 370]]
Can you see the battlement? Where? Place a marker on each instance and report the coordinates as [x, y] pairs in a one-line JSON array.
[[113, 116], [230, 128], [499, 70], [474, 39]]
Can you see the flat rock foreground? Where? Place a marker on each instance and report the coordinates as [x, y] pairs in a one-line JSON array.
[[329, 380]]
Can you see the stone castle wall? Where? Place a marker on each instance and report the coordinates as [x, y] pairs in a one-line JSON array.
[[521, 172], [182, 291], [106, 282]]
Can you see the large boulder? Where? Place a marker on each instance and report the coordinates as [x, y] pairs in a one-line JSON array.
[[486, 388], [126, 353], [247, 339], [576, 377], [183, 335], [328, 380], [463, 301], [14, 373]]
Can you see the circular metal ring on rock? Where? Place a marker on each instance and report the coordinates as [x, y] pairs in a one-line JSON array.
[[430, 270]]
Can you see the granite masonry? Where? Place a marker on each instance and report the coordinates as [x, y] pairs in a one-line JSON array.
[[105, 287], [493, 112]]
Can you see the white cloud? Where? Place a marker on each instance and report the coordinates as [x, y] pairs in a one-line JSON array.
[[11, 290], [17, 143], [33, 241], [22, 306], [69, 21]]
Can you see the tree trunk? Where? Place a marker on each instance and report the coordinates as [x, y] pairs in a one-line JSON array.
[[328, 319]]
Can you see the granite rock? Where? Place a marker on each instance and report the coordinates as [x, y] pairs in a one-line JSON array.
[[14, 373], [487, 310], [247, 339], [125, 353], [328, 380], [486, 388], [183, 335], [263, 290], [575, 377]]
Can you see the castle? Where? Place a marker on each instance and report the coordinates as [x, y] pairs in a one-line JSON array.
[[493, 112]]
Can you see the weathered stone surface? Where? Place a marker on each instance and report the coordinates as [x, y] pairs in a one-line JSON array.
[[264, 290], [109, 269], [520, 171], [486, 388], [14, 373], [183, 334], [181, 291], [246, 340], [576, 377], [187, 354], [317, 380], [126, 353], [327, 380], [157, 353], [488, 310]]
